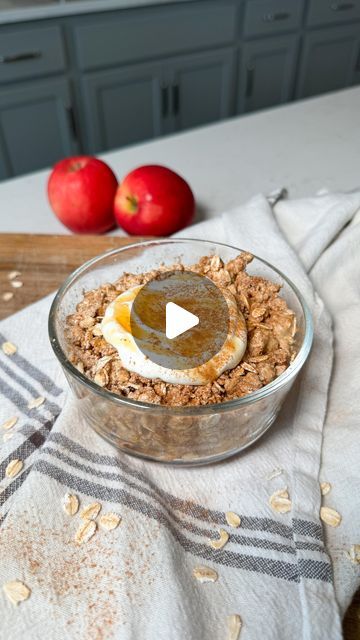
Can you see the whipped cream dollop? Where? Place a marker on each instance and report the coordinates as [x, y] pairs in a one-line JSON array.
[[117, 330]]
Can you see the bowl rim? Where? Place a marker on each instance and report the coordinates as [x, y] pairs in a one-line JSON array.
[[279, 382]]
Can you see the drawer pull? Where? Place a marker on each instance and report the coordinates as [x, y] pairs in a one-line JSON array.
[[272, 17], [250, 71], [342, 6], [176, 99], [20, 57], [164, 101]]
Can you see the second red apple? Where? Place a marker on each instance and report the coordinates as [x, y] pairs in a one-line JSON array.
[[153, 200]]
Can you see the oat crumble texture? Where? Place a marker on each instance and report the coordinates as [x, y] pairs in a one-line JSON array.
[[270, 324]]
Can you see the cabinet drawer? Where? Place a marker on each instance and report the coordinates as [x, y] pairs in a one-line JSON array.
[[264, 17], [140, 35], [25, 53], [332, 11]]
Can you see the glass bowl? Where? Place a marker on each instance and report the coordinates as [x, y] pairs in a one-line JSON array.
[[177, 435]]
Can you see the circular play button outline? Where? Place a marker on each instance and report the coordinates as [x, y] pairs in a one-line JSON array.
[[188, 294]]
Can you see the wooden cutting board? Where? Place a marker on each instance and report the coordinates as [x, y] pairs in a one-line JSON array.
[[44, 262]]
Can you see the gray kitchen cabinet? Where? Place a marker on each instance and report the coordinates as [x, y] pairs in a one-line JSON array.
[[123, 106], [330, 60], [140, 102], [4, 172], [266, 72], [35, 128], [201, 88]]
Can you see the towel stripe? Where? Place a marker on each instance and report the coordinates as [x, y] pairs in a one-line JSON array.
[[23, 451], [276, 568], [22, 403], [47, 383], [184, 524], [194, 510]]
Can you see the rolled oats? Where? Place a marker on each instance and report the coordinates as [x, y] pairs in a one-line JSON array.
[[205, 574], [8, 295], [109, 521], [16, 591], [14, 467], [91, 512], [13, 274], [234, 624], [10, 423], [330, 516], [8, 348], [16, 284], [232, 519], [325, 488], [71, 504], [354, 553], [221, 541], [35, 403], [101, 378], [280, 501], [86, 531]]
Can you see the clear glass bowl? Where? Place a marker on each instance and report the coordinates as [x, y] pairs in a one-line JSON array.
[[177, 435]]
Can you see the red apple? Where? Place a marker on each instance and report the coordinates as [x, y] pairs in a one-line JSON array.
[[153, 200], [81, 192]]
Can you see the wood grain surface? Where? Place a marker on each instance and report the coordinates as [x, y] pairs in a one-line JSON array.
[[44, 262]]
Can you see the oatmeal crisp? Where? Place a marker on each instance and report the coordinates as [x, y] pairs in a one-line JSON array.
[[271, 327]]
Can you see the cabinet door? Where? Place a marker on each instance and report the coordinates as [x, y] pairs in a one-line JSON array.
[[329, 60], [266, 73], [35, 128], [201, 88], [123, 106]]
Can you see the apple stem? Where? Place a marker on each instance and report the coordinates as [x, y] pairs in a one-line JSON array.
[[133, 203]]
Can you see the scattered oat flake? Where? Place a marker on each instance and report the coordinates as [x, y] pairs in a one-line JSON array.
[[330, 516], [16, 591], [8, 348], [221, 541], [86, 531], [354, 553], [10, 423], [275, 473], [36, 402], [14, 467], [280, 501], [232, 519], [16, 284], [205, 574], [70, 504], [14, 274], [7, 436], [234, 625], [8, 295], [325, 488], [109, 521], [91, 512]]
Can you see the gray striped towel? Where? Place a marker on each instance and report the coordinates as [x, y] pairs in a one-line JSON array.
[[286, 575]]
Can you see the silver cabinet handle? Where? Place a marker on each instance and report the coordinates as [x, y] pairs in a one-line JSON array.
[[271, 17], [20, 57], [342, 6]]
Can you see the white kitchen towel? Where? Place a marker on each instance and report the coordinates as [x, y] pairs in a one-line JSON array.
[[136, 582]]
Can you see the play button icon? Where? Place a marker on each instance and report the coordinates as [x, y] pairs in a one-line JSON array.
[[178, 320]]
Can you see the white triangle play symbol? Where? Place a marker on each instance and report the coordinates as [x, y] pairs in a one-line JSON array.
[[178, 320]]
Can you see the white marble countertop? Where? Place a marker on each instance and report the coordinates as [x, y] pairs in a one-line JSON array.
[[32, 11], [304, 147]]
